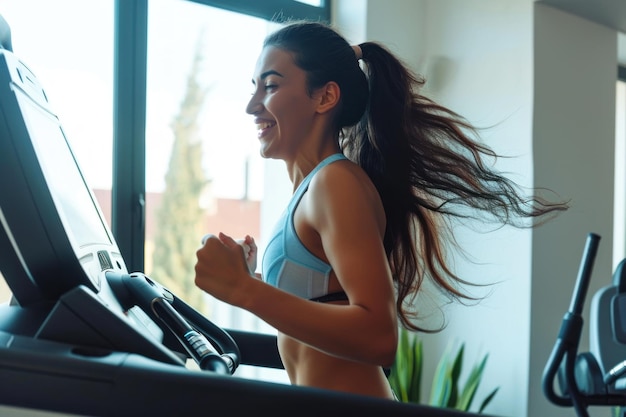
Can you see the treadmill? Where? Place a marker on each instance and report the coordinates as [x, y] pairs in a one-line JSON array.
[[84, 336]]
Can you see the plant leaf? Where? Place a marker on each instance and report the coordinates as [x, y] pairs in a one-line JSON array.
[[401, 372], [440, 393], [397, 379], [446, 391], [415, 387], [405, 376], [441, 386], [407, 366], [471, 385], [487, 400], [394, 379], [458, 363], [455, 372]]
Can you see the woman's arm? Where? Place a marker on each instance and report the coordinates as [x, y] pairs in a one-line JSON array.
[[346, 214]]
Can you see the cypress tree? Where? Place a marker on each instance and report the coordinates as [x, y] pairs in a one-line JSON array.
[[179, 217]]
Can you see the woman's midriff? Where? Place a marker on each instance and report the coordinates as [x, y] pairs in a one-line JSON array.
[[310, 367]]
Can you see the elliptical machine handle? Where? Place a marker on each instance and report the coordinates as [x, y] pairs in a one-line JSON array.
[[566, 345]]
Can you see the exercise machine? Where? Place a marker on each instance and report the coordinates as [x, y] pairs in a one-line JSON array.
[[597, 377], [84, 336]]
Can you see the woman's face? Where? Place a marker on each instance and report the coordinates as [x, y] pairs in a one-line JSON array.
[[283, 110]]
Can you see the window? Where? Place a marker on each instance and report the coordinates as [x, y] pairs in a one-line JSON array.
[[131, 24], [197, 130], [619, 232], [92, 66], [200, 64], [73, 58]]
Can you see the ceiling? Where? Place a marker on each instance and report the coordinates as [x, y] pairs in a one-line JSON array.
[[611, 13]]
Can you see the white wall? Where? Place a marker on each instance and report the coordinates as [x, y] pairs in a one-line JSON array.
[[574, 137], [521, 74]]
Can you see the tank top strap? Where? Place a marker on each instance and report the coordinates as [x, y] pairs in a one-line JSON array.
[[304, 185]]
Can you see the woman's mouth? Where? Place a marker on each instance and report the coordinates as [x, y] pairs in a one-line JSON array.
[[263, 127]]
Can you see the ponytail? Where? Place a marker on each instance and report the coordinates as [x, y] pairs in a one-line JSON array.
[[427, 169]]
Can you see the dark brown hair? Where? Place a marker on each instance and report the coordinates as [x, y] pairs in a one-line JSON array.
[[424, 159]]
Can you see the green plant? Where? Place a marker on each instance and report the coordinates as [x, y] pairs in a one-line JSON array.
[[406, 373], [406, 376]]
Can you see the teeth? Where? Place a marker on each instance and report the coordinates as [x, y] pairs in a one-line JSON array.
[[264, 125]]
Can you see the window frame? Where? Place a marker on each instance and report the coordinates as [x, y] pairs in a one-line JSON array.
[[274, 10], [128, 188]]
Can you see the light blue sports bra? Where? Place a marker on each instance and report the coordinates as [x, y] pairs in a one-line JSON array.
[[287, 263]]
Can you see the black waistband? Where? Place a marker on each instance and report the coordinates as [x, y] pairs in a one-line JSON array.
[[335, 296]]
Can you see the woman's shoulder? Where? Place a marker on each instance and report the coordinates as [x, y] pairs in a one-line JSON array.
[[340, 171], [342, 179], [343, 191]]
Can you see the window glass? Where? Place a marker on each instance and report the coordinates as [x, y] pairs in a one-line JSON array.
[[204, 173], [316, 3], [68, 45], [619, 234]]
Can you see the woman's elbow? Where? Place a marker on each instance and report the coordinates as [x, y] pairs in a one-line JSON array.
[[387, 347]]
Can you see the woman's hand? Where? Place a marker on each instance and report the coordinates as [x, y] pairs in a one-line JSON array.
[[250, 252], [222, 268]]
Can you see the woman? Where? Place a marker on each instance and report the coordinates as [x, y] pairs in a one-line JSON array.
[[377, 169]]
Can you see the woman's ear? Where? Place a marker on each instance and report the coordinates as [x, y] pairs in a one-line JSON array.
[[328, 97]]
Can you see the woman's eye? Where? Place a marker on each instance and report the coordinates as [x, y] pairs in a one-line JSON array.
[[270, 87]]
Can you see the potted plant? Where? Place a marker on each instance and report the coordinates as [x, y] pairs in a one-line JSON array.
[[447, 390]]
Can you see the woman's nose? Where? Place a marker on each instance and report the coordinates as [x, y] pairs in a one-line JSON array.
[[254, 105]]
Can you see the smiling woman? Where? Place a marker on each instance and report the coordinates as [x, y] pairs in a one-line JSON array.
[[378, 172], [282, 128]]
